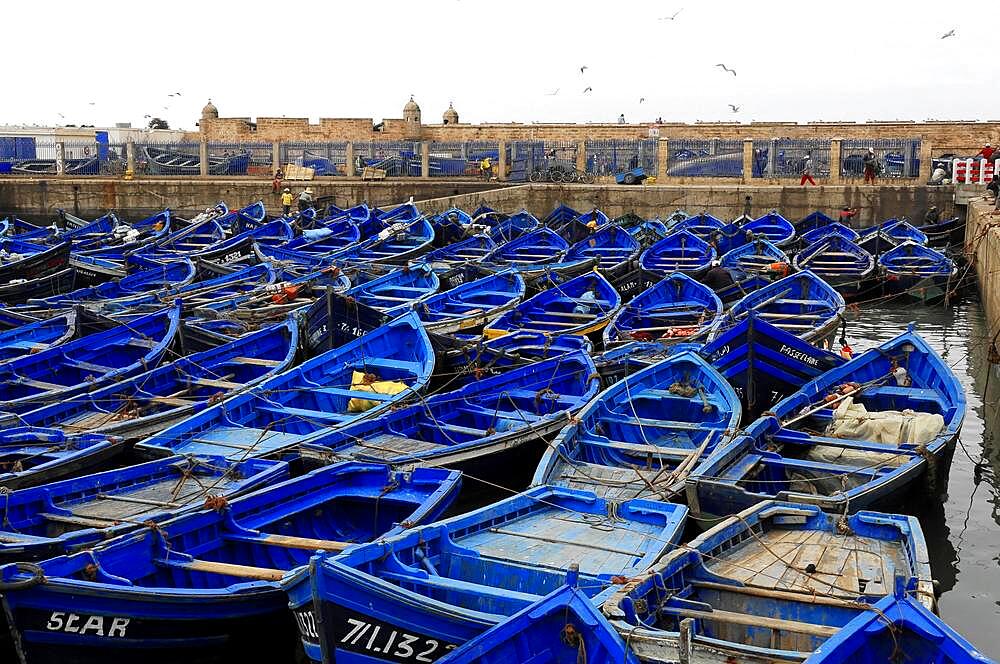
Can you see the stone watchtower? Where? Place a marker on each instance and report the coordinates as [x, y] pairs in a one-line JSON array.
[[411, 121], [209, 113], [450, 116]]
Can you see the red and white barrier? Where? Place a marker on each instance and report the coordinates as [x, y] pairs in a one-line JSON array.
[[971, 171]]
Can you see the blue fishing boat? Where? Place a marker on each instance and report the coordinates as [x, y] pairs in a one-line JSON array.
[[166, 161], [442, 585], [480, 428], [357, 380], [459, 254], [897, 626], [614, 248], [193, 239], [769, 584], [670, 311], [396, 244], [947, 233], [778, 230], [25, 231], [196, 293], [174, 273], [595, 219], [32, 337], [681, 251], [813, 221], [137, 407], [561, 628], [833, 228], [759, 256], [919, 271], [841, 263], [450, 226], [27, 260], [856, 437], [582, 305], [642, 436], [560, 214], [469, 362], [19, 292], [31, 456], [204, 586], [742, 286], [648, 232], [540, 246], [86, 363], [72, 514], [702, 225], [801, 303], [326, 238], [471, 304], [899, 230], [765, 363], [878, 242], [513, 227], [397, 291]]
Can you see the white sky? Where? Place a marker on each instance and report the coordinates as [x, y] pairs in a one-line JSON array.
[[795, 61]]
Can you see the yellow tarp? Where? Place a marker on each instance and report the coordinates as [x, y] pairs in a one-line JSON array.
[[361, 382]]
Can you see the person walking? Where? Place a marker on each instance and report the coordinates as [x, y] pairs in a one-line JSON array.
[[870, 163], [286, 201], [807, 172], [747, 205], [305, 199]]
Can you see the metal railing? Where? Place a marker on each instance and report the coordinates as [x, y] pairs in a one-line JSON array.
[[786, 157], [528, 157], [715, 158], [323, 158], [460, 159], [240, 158], [613, 156], [896, 157], [396, 158]]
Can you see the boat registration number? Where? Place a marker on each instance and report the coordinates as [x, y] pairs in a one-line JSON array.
[[74, 623], [363, 634]]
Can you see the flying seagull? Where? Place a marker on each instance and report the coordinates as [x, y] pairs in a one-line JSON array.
[[61, 115], [584, 68], [147, 116], [725, 68], [642, 99], [950, 33], [92, 103], [552, 94], [736, 109], [671, 18], [587, 89], [178, 94]]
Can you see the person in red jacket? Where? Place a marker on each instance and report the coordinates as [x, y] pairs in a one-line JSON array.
[[986, 153]]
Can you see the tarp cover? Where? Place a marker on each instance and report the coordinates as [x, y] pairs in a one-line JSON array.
[[890, 427]]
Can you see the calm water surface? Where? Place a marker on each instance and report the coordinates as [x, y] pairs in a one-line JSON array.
[[963, 528]]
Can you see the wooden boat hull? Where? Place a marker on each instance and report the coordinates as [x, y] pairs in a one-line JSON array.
[[44, 262], [214, 611], [344, 595], [734, 597]]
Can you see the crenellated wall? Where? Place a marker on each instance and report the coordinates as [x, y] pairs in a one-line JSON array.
[[958, 137]]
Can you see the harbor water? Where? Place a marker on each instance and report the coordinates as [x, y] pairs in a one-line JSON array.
[[962, 526]]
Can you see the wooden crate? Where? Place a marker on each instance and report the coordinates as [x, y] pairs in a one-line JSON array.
[[293, 172], [372, 173]]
